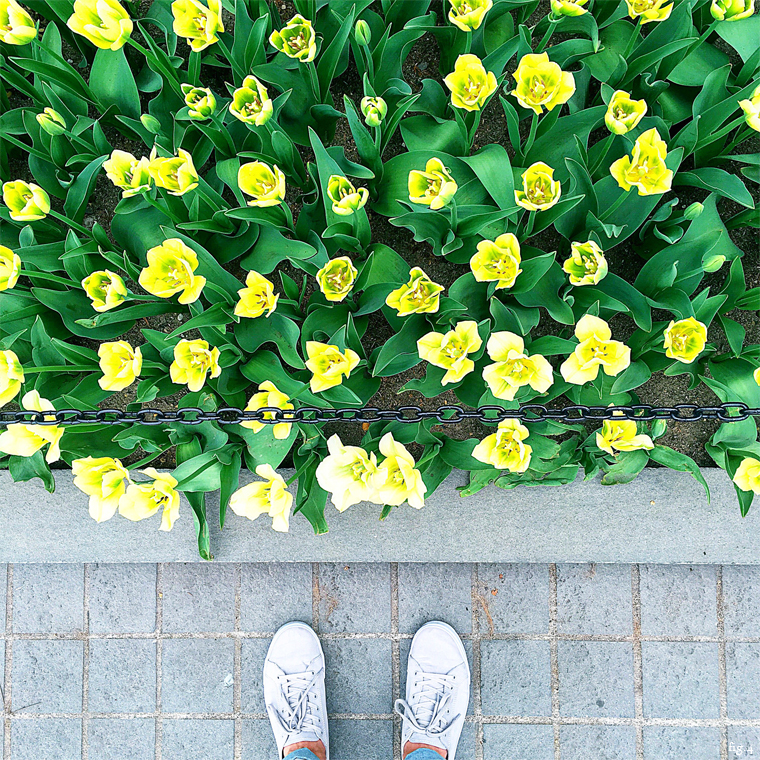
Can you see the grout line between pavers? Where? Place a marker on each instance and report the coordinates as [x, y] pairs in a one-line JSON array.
[[7, 680], [477, 697], [315, 596], [159, 658], [238, 666], [638, 665], [395, 658], [86, 663], [722, 678], [554, 649]]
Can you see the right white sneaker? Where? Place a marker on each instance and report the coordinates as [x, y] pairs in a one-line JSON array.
[[437, 689], [294, 687]]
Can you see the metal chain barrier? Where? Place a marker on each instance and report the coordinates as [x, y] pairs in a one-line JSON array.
[[447, 415]]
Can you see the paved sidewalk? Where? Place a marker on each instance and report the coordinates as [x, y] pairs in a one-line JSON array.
[[569, 662]]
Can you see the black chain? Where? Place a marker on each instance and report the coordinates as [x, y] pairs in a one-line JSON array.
[[733, 411]]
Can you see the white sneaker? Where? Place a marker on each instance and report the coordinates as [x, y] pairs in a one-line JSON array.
[[294, 687], [437, 689]]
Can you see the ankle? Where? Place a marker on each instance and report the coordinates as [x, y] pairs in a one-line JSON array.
[[410, 747], [316, 747]]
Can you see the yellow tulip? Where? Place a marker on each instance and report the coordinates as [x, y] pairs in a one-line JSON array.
[[51, 121], [328, 365], [541, 83], [513, 368], [128, 173], [731, 10], [470, 84], [505, 449], [176, 174], [296, 39], [270, 496], [595, 349], [251, 102], [264, 183], [374, 110], [120, 364], [11, 376], [197, 23], [143, 500], [104, 480], [26, 201], [348, 474], [747, 476], [106, 290], [586, 265], [621, 435], [257, 297], [336, 278], [751, 108], [468, 14], [193, 360], [398, 480], [269, 396], [434, 187], [25, 440], [418, 296], [345, 198], [646, 168], [568, 8], [200, 101], [685, 340], [10, 267], [623, 112], [171, 270], [16, 25], [450, 351], [540, 191], [497, 261], [649, 10], [756, 375], [104, 23]]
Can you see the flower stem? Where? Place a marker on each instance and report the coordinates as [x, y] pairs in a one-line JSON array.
[[194, 67], [62, 368], [454, 215], [545, 39], [530, 224], [71, 223], [532, 135], [615, 206], [607, 144], [694, 45], [633, 38], [49, 278], [314, 81], [165, 210], [147, 460]]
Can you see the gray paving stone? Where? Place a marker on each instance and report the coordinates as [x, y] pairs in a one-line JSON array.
[[258, 740], [199, 739], [253, 653], [513, 599], [467, 743], [594, 599], [361, 739], [47, 676], [3, 594], [596, 679], [743, 680], [675, 743], [743, 742], [516, 678], [122, 598], [434, 592], [741, 599], [598, 742], [405, 646], [59, 738], [291, 582], [517, 742], [678, 600], [358, 676], [120, 739], [197, 676], [680, 680], [122, 676], [355, 598], [48, 598], [199, 597]]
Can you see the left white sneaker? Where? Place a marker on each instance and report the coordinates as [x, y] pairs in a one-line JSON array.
[[294, 687]]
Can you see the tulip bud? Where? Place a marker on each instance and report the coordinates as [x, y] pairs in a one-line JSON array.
[[362, 32], [373, 110], [693, 211], [713, 262], [151, 123], [52, 122]]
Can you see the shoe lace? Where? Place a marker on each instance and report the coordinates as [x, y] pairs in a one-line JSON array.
[[299, 712], [426, 714]]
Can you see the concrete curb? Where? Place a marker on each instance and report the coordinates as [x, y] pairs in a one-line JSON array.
[[662, 517]]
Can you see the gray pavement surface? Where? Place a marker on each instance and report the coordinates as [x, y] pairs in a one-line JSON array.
[[569, 662]]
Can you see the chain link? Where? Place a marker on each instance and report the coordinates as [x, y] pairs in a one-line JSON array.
[[733, 411]]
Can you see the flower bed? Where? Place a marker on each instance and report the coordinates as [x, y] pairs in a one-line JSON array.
[[245, 261]]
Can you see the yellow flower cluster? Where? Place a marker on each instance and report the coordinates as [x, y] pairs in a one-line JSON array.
[[25, 440], [176, 174]]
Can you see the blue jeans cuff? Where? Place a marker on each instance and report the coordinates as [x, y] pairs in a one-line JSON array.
[[304, 754], [423, 754]]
